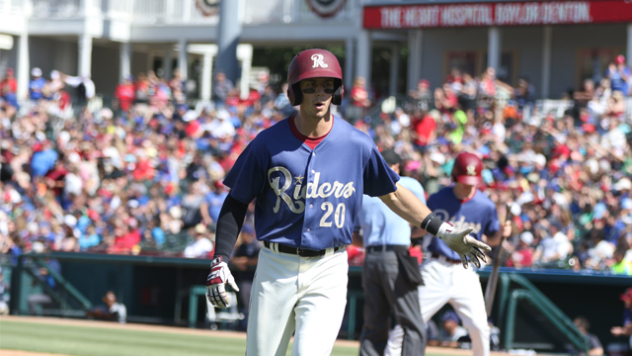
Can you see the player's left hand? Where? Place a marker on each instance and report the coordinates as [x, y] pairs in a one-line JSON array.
[[463, 243], [216, 283]]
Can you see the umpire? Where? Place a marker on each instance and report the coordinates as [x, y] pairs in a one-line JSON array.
[[390, 276]]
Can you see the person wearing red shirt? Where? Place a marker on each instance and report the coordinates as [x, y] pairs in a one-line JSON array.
[[125, 93], [523, 255], [425, 130], [9, 82]]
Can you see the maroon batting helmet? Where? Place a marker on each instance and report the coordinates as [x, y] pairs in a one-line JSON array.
[[314, 63], [467, 169]]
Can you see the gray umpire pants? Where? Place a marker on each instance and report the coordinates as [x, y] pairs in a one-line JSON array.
[[387, 291]]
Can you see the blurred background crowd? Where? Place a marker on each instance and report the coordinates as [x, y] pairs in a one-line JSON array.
[[143, 174]]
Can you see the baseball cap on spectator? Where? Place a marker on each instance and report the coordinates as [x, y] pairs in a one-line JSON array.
[[599, 210], [451, 316], [626, 204], [620, 59], [38, 247], [36, 72], [623, 184], [70, 220], [627, 295], [412, 166], [539, 159], [526, 237], [200, 229], [391, 157], [133, 203], [438, 158], [190, 115]]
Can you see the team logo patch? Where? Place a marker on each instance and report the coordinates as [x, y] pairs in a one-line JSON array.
[[318, 61], [471, 170]]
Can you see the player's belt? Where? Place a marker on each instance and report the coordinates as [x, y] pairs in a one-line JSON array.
[[381, 248], [300, 251], [444, 258]]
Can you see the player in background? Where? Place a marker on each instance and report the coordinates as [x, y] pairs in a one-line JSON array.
[[307, 174], [445, 281], [390, 275]]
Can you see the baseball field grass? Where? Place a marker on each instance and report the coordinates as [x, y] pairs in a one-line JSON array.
[[45, 336]]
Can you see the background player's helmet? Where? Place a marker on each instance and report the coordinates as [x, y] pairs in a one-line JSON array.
[[467, 169], [314, 63]]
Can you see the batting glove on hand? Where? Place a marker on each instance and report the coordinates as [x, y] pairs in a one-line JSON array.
[[463, 243], [216, 283]]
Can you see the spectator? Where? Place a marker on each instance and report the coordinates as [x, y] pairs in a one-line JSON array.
[[621, 265], [125, 93], [594, 348], [221, 88], [422, 97], [626, 329], [523, 255], [619, 73], [202, 247], [85, 89], [110, 310], [452, 331], [358, 101], [9, 84], [213, 202], [36, 85]]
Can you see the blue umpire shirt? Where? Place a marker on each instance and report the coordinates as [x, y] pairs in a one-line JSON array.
[[380, 225], [309, 198], [479, 213]]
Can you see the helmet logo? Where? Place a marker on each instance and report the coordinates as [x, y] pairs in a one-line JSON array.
[[318, 61], [471, 170]]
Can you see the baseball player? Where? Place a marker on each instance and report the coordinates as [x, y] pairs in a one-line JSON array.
[[389, 286], [444, 281], [307, 174]]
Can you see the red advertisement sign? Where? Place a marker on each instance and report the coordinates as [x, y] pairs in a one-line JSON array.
[[498, 14]]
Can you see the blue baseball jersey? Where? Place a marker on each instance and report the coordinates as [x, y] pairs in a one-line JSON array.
[[380, 225], [309, 198], [479, 213]]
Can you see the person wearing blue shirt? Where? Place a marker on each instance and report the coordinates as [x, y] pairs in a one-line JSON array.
[[465, 207], [43, 160], [307, 175], [387, 287], [213, 202], [36, 85], [618, 73]]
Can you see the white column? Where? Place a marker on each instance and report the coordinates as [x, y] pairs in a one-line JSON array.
[[348, 74], [546, 61], [363, 58], [244, 54], [166, 62], [125, 60], [493, 48], [23, 66], [415, 43], [394, 70], [206, 77], [629, 49], [183, 60], [85, 55]]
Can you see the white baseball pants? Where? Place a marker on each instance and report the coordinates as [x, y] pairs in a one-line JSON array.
[[450, 283], [301, 295]]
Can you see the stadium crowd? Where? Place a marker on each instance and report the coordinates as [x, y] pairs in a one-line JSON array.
[[144, 176]]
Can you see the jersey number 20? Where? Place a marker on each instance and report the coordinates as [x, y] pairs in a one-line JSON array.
[[339, 216]]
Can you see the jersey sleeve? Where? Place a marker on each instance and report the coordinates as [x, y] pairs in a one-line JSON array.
[[379, 178], [246, 179], [493, 226]]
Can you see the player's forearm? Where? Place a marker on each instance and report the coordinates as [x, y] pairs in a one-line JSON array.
[[229, 223], [405, 204]]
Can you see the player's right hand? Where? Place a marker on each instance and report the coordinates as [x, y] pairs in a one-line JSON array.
[[216, 283], [463, 243]]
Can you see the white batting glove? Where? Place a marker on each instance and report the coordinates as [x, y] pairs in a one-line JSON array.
[[216, 283], [463, 243]]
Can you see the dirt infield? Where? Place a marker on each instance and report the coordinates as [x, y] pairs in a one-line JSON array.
[[176, 330]]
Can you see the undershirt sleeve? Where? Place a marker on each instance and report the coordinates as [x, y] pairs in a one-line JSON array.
[[231, 218]]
